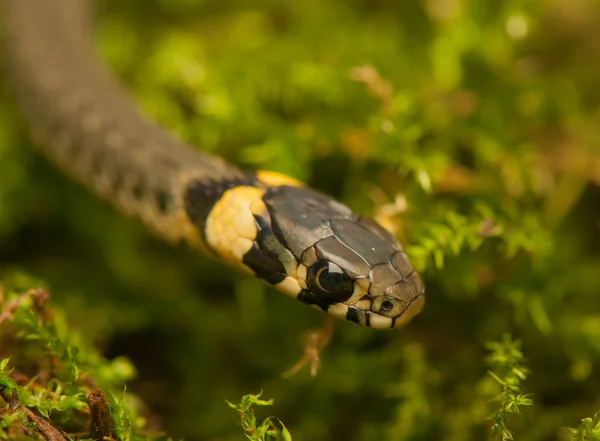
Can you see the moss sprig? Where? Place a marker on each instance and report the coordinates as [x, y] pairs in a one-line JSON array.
[[506, 357], [588, 429], [271, 429]]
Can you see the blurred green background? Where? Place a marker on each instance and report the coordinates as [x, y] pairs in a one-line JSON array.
[[471, 128]]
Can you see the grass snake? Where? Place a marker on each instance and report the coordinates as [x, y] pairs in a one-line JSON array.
[[301, 241]]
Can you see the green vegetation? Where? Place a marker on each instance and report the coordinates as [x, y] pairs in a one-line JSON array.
[[507, 355], [588, 430], [469, 128], [54, 373], [269, 429]]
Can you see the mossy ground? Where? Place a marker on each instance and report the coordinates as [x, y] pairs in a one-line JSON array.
[[471, 128]]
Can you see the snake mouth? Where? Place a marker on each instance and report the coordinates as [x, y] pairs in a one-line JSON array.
[[378, 319]]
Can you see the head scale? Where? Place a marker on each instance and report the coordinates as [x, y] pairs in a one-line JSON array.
[[317, 250]]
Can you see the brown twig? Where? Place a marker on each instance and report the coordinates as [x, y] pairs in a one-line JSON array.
[[43, 428], [102, 423]]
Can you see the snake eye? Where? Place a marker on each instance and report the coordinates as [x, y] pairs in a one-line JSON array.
[[329, 282]]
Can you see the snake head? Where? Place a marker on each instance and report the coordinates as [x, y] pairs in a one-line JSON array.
[[314, 249], [342, 263]]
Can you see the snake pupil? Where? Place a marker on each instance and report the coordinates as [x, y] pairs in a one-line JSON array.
[[330, 277], [330, 282]]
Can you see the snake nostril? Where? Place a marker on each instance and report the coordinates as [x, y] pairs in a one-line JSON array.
[[387, 306]]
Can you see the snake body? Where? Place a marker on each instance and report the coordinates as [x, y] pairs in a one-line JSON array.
[[303, 242]]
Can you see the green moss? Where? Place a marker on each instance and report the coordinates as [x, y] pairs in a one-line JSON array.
[[270, 429], [55, 381], [507, 356], [588, 430]]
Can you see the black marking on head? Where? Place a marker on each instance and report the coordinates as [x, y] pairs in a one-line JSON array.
[[268, 258], [265, 263], [201, 196], [352, 315], [262, 223], [310, 298], [275, 227], [300, 216]]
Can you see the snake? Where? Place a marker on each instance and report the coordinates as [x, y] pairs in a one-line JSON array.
[[262, 223]]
